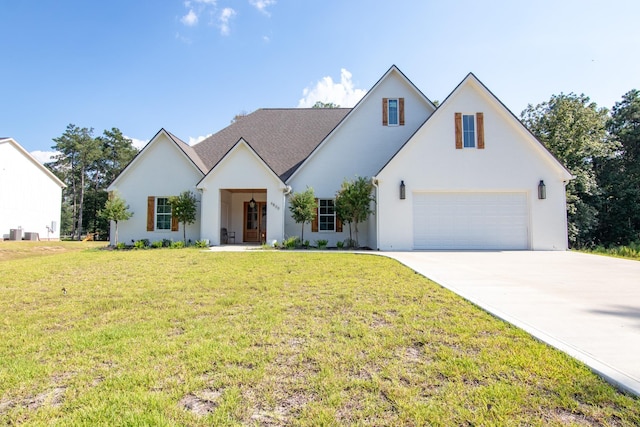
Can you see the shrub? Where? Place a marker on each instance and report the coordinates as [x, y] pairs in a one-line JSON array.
[[291, 242], [306, 244], [166, 243], [121, 246], [322, 244], [340, 245], [141, 244], [177, 245], [157, 244], [203, 244]]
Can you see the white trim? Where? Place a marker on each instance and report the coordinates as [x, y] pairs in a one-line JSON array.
[[155, 215], [397, 117], [335, 217], [475, 130]]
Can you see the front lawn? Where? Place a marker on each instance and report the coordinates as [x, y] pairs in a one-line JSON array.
[[184, 337]]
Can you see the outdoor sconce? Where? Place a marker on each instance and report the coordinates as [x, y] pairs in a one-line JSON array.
[[403, 191], [542, 190], [252, 202]]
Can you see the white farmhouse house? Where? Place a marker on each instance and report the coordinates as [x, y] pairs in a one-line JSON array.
[[464, 175], [30, 195]]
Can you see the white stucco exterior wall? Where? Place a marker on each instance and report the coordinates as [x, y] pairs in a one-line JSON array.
[[240, 169], [360, 146], [511, 162], [160, 170], [30, 198]]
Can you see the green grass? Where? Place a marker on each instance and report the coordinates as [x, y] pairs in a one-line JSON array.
[[183, 337], [631, 251]]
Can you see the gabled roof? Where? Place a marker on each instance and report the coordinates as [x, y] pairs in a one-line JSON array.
[[33, 160], [473, 80], [242, 142], [187, 150], [282, 138], [392, 69]]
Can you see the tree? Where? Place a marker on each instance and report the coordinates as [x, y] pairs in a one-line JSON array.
[[88, 165], [116, 151], [353, 202], [619, 176], [303, 207], [78, 150], [320, 104], [115, 209], [574, 130], [184, 208]]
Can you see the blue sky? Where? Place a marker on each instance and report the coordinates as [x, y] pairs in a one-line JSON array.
[[191, 66]]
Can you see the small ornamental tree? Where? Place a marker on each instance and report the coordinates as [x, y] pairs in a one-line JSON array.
[[353, 203], [183, 208], [303, 207], [115, 210]]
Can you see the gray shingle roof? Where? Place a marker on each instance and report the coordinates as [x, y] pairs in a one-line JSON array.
[[189, 151], [283, 138]]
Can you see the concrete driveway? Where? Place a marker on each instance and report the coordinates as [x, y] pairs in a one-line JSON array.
[[585, 305]]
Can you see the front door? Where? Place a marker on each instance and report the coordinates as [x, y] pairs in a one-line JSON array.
[[255, 222]]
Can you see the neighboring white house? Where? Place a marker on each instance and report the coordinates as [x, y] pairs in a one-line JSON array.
[[470, 174], [30, 195]]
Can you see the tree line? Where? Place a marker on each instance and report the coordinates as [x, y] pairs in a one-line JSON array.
[[87, 165], [601, 148]]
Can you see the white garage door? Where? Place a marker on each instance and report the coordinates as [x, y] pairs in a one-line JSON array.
[[470, 221]]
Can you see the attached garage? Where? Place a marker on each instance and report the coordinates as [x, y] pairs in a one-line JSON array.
[[491, 220]]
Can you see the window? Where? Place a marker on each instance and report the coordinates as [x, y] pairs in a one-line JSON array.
[[326, 215], [392, 111], [163, 214], [468, 131]]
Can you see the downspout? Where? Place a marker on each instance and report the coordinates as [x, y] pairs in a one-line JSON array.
[[285, 192], [201, 216], [374, 182]]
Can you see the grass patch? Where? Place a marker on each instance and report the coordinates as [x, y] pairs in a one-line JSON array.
[[632, 251], [186, 337], [29, 249]]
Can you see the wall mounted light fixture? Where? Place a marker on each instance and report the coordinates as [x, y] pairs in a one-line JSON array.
[[403, 191], [542, 190]]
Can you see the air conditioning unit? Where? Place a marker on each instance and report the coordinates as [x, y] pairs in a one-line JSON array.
[[31, 236]]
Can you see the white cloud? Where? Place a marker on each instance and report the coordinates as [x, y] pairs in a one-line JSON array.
[[190, 19], [44, 156], [138, 143], [193, 141], [225, 16], [262, 5], [326, 90]]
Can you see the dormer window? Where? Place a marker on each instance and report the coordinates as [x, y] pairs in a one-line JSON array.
[[392, 111]]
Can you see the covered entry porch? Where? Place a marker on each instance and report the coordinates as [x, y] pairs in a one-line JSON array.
[[243, 215]]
